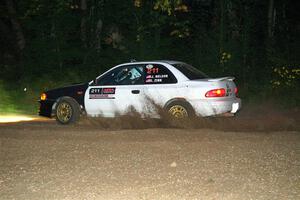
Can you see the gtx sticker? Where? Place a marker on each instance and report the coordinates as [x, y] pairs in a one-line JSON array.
[[102, 93]]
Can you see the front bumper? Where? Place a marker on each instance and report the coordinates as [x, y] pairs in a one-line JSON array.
[[46, 108]]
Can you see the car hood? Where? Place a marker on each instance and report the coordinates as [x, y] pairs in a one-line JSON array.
[[71, 90]]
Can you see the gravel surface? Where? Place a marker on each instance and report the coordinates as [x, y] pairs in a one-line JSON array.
[[47, 161]]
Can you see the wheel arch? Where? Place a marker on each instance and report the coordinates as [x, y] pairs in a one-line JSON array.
[[179, 100], [176, 99]]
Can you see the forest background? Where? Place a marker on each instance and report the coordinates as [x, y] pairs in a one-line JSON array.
[[49, 43]]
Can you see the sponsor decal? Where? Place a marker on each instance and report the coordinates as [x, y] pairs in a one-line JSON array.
[[108, 90], [102, 93], [161, 76], [156, 78], [149, 80], [149, 76]]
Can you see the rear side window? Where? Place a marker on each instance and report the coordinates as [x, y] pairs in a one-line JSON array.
[[158, 74], [189, 71]]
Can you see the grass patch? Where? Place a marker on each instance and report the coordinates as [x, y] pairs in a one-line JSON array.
[[6, 102], [18, 100]]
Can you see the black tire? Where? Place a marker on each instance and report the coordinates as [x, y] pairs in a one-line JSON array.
[[180, 110], [67, 111]]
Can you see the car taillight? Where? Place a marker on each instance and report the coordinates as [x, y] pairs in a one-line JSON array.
[[236, 91], [216, 93], [43, 96]]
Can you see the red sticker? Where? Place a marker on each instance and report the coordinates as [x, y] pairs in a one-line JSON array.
[[108, 91]]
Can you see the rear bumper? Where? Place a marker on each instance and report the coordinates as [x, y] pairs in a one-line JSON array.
[[46, 108], [214, 107]]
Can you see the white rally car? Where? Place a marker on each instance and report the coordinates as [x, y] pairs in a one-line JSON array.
[[177, 87]]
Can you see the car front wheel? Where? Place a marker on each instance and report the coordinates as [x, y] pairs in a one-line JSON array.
[[67, 111]]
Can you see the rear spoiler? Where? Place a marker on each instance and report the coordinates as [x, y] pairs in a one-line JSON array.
[[230, 78]]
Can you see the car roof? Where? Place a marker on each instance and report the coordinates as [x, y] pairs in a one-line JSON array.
[[171, 62], [178, 74], [180, 77]]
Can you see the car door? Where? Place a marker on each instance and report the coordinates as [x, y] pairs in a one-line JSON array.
[[117, 92], [160, 85]]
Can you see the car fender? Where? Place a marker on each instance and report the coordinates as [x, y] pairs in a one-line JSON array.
[[177, 99], [181, 101]]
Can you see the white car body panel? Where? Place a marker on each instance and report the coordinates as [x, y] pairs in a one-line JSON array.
[[123, 100], [193, 91]]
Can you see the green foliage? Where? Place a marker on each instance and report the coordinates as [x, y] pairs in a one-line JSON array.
[[286, 77], [66, 43], [5, 100]]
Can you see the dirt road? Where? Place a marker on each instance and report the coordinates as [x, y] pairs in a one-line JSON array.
[[42, 160]]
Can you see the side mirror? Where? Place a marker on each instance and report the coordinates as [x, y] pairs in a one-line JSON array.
[[94, 82]]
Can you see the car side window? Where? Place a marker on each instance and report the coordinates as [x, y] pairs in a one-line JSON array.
[[125, 75], [158, 74]]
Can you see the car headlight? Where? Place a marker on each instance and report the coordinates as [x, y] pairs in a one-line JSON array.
[[43, 96]]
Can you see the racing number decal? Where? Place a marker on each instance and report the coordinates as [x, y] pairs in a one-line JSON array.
[[102, 93], [152, 71]]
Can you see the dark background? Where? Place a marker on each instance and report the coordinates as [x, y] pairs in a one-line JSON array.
[[49, 43]]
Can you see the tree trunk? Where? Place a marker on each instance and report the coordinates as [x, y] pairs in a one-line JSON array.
[[271, 19], [20, 39], [57, 44], [98, 34], [157, 37], [221, 37], [245, 42], [83, 27]]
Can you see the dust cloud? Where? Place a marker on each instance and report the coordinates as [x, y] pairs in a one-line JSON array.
[[266, 117]]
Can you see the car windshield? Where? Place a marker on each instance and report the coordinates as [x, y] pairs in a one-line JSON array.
[[189, 71]]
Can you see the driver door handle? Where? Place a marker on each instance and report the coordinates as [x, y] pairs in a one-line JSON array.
[[135, 91]]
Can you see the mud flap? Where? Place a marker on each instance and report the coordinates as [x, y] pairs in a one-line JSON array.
[[235, 107]]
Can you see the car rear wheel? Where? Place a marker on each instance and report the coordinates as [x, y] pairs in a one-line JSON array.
[[67, 111], [180, 110]]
